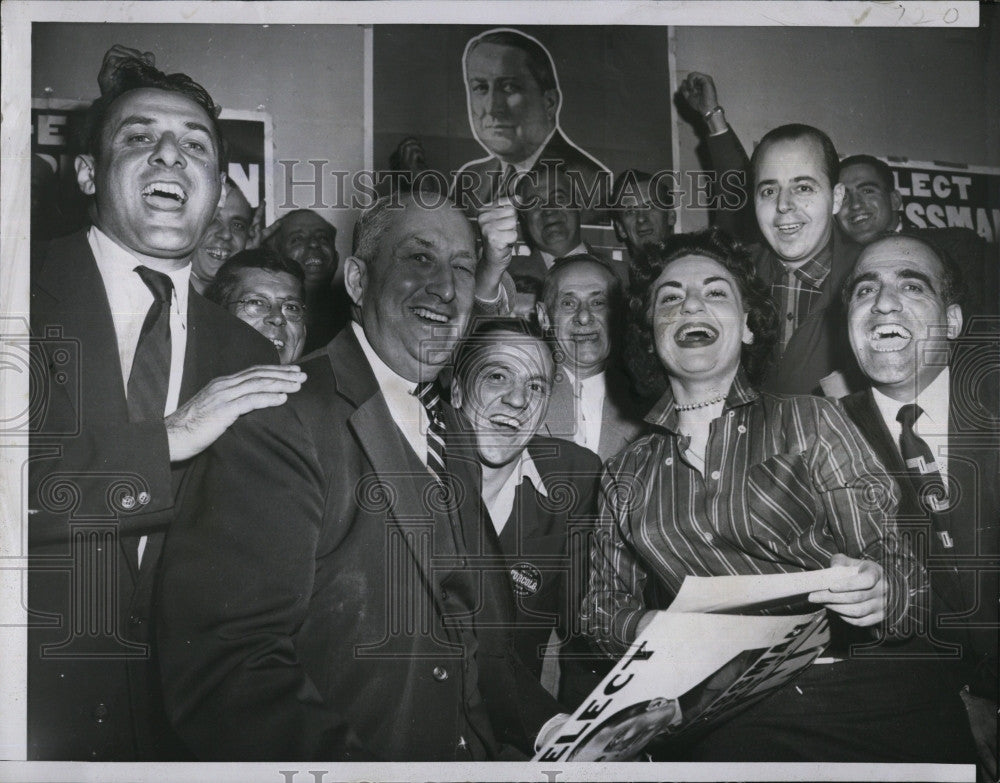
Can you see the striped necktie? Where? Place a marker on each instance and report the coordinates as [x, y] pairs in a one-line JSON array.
[[150, 375], [923, 471], [430, 398]]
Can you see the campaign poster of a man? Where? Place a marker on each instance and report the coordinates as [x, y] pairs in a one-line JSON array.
[[514, 99]]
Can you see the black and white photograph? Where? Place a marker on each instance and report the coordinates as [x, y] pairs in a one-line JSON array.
[[374, 375]]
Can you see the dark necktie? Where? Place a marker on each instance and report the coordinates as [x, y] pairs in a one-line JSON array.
[[505, 182], [923, 471], [428, 395], [150, 376]]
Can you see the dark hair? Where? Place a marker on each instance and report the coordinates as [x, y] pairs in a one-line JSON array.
[[539, 62], [481, 336], [953, 289], [641, 357], [882, 170], [226, 280], [550, 284], [793, 132], [282, 227], [134, 74]]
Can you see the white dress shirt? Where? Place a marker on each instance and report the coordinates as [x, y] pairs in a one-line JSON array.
[[589, 394], [550, 259], [932, 425], [406, 410], [500, 505], [129, 300]]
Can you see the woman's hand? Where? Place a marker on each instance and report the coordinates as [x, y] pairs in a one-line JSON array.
[[860, 598]]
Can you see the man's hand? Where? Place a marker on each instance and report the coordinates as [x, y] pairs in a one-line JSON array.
[[499, 226], [860, 597], [197, 424], [698, 91], [113, 58]]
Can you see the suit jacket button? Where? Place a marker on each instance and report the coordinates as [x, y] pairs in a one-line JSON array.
[[144, 498], [440, 673], [101, 713], [128, 502]]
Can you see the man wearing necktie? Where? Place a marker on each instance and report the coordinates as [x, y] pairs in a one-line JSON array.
[[126, 353], [931, 414], [514, 100], [332, 593]]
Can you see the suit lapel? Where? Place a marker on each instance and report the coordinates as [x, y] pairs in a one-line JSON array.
[[398, 469]]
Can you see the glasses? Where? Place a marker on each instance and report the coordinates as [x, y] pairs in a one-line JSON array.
[[258, 307]]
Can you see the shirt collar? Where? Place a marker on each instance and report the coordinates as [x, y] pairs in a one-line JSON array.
[[664, 413], [526, 469], [815, 270], [529, 163], [389, 381], [933, 401], [115, 261], [550, 259]]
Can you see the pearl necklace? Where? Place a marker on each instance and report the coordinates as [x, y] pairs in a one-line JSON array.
[[695, 405]]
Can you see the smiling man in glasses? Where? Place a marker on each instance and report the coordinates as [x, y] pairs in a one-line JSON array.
[[267, 292]]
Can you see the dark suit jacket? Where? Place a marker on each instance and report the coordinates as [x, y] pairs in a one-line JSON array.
[[622, 420], [305, 588], [964, 581], [96, 483], [545, 542], [475, 183]]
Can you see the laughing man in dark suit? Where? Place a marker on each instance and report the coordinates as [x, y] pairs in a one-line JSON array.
[[127, 352], [931, 416], [333, 593]]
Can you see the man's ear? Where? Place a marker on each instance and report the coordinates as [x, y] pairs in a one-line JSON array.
[[619, 231], [86, 173], [671, 217], [456, 393], [896, 201], [355, 279], [954, 317], [543, 316], [839, 191], [552, 98]]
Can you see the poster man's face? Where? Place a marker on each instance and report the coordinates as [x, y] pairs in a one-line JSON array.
[[511, 114]]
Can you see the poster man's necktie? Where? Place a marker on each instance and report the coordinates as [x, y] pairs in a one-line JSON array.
[[150, 376], [428, 395], [923, 470], [505, 183]]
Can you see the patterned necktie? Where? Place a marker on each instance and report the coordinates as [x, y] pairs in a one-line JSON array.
[[427, 393], [150, 376], [923, 471]]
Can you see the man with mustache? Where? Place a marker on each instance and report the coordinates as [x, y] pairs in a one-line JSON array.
[[334, 586], [127, 352], [930, 414]]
